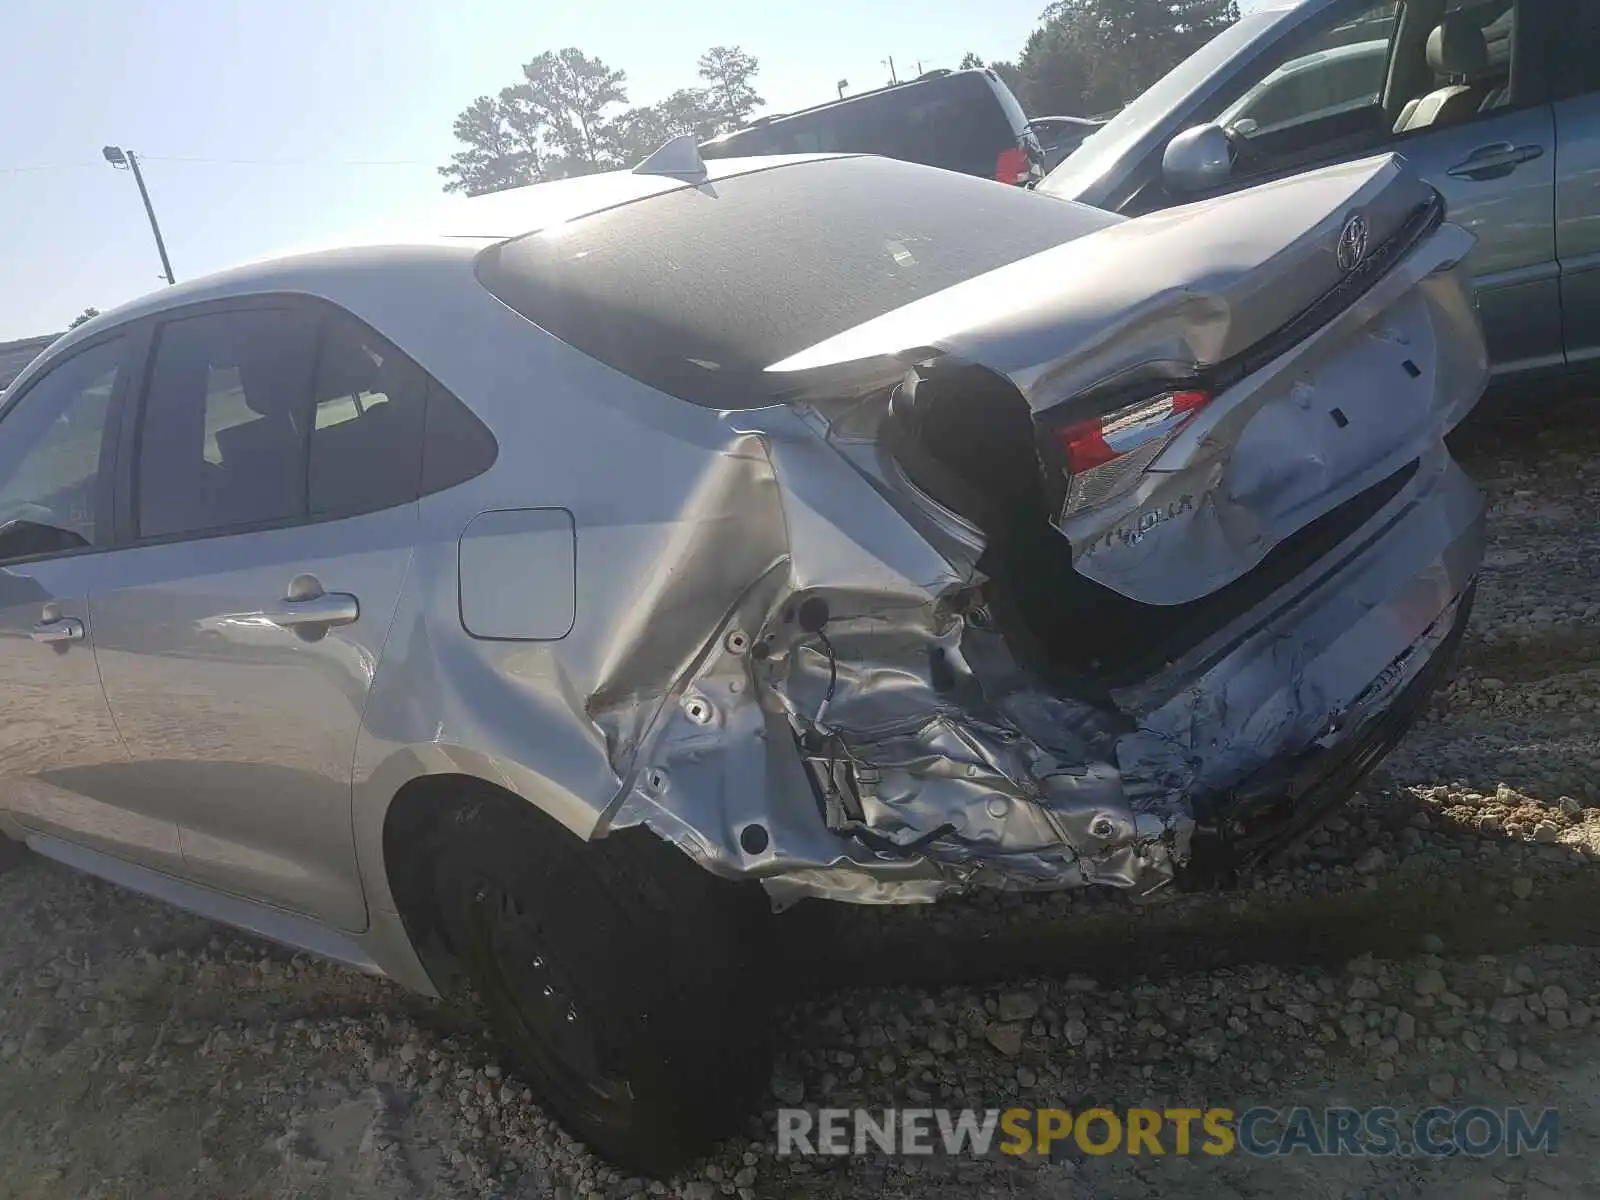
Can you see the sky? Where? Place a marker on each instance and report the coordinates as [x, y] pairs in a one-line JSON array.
[[265, 124]]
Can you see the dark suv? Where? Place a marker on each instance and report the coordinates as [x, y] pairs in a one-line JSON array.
[[965, 121]]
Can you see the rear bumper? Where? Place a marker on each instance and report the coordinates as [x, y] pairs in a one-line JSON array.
[[1244, 742], [1268, 814], [1313, 668]]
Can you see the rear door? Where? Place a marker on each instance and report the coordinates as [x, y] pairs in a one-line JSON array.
[[1573, 69], [272, 503], [62, 763], [1497, 173]]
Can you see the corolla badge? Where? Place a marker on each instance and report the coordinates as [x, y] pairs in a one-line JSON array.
[[1353, 239]]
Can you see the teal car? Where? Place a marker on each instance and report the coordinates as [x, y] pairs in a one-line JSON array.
[[1495, 102]]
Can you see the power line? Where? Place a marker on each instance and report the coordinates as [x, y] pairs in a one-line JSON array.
[[233, 162], [46, 167], [291, 162]]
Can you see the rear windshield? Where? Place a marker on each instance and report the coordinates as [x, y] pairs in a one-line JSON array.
[[696, 291], [960, 122]]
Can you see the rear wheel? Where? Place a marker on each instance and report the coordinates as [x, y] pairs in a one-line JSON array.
[[630, 985], [12, 854]]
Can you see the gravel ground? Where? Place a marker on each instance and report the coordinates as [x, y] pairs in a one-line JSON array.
[[1437, 941]]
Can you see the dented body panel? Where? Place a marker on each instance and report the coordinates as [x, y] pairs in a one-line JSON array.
[[750, 631]]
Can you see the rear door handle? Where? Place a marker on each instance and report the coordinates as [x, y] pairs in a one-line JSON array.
[[306, 608], [332, 608], [62, 629], [1495, 162]]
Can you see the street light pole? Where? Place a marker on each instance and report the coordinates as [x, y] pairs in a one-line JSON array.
[[119, 159]]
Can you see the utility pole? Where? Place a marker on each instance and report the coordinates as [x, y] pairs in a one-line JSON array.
[[889, 62], [841, 85], [125, 160]]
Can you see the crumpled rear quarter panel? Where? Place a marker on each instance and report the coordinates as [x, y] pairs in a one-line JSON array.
[[674, 700]]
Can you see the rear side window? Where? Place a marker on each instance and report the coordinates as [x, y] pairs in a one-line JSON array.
[[221, 442], [456, 446], [266, 416], [366, 433], [697, 290]]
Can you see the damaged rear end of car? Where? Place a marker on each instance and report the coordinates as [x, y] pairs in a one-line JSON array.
[[1117, 562]]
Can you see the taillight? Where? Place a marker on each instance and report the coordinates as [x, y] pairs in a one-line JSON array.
[[1013, 166], [1105, 456]]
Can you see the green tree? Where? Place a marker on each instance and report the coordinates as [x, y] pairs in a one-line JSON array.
[[728, 71], [690, 110], [969, 60], [570, 95], [1091, 56], [1011, 77], [567, 117], [502, 148], [639, 132], [84, 317]]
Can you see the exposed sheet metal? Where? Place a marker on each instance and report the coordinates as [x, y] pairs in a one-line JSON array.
[[942, 764], [897, 744]]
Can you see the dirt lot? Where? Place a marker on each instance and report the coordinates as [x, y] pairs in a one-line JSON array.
[[1437, 943]]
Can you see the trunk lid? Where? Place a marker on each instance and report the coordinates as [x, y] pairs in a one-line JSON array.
[[1203, 382]]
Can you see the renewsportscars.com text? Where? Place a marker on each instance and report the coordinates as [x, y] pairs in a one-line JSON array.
[[1262, 1132]]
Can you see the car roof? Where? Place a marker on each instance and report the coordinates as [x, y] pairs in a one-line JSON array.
[[456, 232], [905, 89]]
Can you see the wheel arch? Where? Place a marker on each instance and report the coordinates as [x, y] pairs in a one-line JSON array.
[[401, 806], [414, 822]]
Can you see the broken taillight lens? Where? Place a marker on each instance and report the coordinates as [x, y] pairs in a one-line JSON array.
[[1013, 165], [1105, 456]]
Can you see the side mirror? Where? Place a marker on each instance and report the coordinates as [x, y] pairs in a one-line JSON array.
[[1198, 160]]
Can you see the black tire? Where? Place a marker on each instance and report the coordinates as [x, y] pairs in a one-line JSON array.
[[630, 985], [12, 854]]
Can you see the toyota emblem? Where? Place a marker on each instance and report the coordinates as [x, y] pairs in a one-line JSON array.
[[1353, 240]]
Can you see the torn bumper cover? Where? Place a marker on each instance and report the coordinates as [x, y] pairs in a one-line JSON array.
[[849, 749]]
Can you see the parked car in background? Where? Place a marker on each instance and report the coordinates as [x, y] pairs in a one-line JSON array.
[[965, 121], [1060, 136], [532, 614], [1495, 102]]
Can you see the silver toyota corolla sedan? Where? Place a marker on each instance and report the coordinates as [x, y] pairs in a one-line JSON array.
[[538, 606]]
